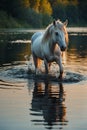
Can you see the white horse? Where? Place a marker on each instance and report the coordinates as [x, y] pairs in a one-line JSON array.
[[48, 45]]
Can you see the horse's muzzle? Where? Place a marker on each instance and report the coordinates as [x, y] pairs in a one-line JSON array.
[[63, 48]]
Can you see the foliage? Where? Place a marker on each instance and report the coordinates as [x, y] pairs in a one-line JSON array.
[[8, 21], [72, 14], [34, 4], [46, 19], [45, 7], [39, 13], [59, 12]]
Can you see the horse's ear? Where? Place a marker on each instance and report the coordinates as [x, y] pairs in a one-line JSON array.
[[54, 22], [66, 22]]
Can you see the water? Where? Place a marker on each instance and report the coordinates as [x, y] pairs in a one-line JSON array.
[[28, 103]]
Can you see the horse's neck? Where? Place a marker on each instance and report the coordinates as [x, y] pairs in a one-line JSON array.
[[52, 45]]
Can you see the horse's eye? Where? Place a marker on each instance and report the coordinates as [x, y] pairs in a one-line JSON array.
[[56, 33]]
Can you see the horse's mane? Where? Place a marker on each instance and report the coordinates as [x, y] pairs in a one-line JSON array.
[[47, 33]]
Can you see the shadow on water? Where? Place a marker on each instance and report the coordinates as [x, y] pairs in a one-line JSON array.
[[48, 105]]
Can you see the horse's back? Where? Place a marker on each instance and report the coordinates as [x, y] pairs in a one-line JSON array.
[[35, 36]]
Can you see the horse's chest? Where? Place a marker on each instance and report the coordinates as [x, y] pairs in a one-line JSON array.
[[46, 50]]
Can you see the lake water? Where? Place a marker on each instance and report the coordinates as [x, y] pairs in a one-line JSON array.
[[28, 103]]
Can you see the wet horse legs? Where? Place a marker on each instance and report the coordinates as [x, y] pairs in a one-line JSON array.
[[59, 62], [36, 63]]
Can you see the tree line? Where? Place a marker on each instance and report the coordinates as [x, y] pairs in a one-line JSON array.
[[39, 13]]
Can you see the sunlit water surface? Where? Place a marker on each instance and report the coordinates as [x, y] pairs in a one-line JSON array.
[[35, 104]]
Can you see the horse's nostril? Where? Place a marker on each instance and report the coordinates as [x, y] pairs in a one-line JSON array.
[[63, 48]]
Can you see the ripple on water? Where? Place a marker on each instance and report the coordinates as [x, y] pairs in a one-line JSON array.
[[21, 73]]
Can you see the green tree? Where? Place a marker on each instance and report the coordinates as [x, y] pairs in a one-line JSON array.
[[25, 3], [82, 5], [73, 2], [45, 7], [46, 19], [34, 4], [59, 10], [72, 14], [14, 6]]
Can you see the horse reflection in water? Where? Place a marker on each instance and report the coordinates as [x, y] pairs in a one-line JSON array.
[[49, 100]]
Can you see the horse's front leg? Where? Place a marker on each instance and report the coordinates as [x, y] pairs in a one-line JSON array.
[[46, 65], [35, 59], [59, 62]]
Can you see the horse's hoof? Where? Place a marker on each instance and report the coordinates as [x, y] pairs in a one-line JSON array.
[[60, 77], [37, 72]]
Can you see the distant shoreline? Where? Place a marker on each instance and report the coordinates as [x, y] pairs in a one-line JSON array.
[[21, 30]]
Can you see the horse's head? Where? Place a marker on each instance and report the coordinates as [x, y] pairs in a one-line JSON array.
[[60, 34]]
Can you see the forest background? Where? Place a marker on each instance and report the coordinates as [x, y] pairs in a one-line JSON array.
[[39, 13]]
